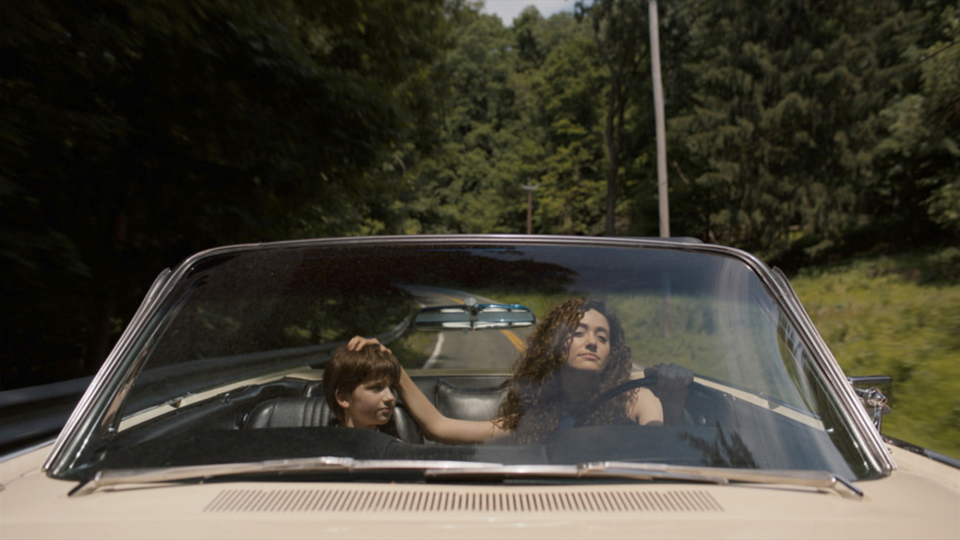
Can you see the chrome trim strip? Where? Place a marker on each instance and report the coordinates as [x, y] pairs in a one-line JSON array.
[[76, 431], [446, 470], [26, 450], [113, 477], [919, 450], [869, 437]]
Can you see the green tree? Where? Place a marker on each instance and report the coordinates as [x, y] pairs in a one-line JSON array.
[[918, 154], [573, 187], [134, 133], [621, 33], [454, 188], [779, 140]]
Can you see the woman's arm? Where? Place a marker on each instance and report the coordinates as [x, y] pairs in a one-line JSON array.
[[645, 408], [435, 425], [670, 391], [439, 427]]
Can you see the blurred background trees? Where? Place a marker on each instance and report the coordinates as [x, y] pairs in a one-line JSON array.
[[133, 134]]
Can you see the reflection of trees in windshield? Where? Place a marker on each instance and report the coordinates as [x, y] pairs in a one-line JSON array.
[[471, 270], [269, 300], [721, 452], [679, 329], [262, 323]]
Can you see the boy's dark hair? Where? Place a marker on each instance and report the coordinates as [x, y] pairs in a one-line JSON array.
[[349, 369]]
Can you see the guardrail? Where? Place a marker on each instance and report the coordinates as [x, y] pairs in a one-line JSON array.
[[36, 413]]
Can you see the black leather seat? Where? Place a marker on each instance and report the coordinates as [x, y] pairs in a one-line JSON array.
[[471, 397], [313, 411], [469, 402]]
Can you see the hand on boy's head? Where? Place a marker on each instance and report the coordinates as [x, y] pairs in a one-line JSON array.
[[359, 342]]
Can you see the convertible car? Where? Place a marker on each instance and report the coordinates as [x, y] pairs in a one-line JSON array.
[[208, 418]]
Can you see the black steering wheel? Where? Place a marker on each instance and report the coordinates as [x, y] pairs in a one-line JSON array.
[[604, 397]]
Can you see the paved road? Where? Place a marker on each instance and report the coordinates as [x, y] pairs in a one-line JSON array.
[[495, 350]]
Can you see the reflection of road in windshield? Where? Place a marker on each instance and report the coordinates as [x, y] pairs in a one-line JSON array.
[[494, 350]]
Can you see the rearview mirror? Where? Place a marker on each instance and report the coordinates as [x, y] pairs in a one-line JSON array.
[[474, 316]]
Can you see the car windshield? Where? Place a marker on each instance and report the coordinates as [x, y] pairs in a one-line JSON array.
[[244, 329]]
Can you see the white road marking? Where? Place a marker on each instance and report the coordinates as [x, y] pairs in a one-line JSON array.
[[436, 352]]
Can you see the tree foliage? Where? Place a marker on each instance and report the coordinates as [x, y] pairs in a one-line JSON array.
[[918, 152], [135, 133], [621, 32]]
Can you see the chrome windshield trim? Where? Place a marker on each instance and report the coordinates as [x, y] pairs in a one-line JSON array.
[[100, 394], [806, 478], [657, 471], [868, 436], [99, 406], [115, 477], [461, 470], [454, 239], [582, 470]]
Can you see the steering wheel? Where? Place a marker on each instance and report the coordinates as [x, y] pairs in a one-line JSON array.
[[603, 398]]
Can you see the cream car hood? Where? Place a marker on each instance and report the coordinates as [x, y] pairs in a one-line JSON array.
[[919, 500]]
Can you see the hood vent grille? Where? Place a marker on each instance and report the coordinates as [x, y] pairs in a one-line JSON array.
[[434, 501]]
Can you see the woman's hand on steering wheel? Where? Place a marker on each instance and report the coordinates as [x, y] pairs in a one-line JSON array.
[[672, 381], [671, 389], [668, 382]]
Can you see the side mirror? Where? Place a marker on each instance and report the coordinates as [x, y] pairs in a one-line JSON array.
[[871, 390]]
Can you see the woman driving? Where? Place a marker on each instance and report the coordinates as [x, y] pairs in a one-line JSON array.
[[577, 352]]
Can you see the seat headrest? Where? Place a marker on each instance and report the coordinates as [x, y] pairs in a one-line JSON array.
[[469, 403], [313, 411]]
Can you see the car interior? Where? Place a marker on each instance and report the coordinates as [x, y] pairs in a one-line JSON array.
[[288, 418], [470, 398]]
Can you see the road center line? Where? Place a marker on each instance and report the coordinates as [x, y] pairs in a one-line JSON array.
[[517, 342]]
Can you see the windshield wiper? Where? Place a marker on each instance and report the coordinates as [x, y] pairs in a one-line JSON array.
[[654, 471], [114, 477]]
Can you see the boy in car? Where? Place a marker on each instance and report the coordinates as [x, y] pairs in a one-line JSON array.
[[359, 387]]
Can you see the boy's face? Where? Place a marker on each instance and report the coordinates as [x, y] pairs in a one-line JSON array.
[[370, 405]]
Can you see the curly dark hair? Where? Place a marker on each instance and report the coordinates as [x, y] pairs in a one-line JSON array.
[[534, 403]]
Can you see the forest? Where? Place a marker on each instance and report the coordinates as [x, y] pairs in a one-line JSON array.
[[136, 132]]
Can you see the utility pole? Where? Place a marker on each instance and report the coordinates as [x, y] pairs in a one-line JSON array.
[[660, 119], [530, 188]]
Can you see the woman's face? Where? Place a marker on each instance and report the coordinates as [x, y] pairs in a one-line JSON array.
[[590, 343]]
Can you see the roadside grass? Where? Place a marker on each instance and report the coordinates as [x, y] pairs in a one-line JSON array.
[[413, 348], [897, 316]]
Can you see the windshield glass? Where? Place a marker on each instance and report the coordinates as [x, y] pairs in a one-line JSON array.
[[232, 364]]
